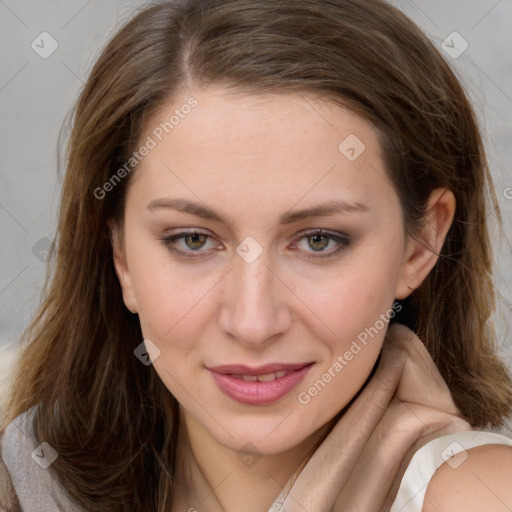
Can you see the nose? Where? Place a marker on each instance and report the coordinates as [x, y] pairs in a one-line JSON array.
[[254, 309]]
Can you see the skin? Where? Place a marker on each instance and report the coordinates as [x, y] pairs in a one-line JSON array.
[[254, 158], [481, 482]]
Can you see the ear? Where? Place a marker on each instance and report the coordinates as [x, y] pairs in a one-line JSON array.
[[121, 267], [422, 254]]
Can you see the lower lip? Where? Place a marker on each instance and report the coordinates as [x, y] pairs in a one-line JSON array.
[[259, 393]]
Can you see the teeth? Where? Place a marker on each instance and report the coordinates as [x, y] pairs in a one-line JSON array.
[[268, 377]]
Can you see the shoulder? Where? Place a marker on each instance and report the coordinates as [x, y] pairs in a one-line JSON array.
[[8, 458], [8, 497], [473, 480], [24, 473]]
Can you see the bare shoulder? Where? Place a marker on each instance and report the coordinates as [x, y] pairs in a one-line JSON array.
[[475, 480]]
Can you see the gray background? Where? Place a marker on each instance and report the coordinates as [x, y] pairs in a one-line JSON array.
[[37, 93]]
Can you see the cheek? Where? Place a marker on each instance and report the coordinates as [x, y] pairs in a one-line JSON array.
[[169, 296], [352, 299], [172, 314], [356, 306], [166, 305]]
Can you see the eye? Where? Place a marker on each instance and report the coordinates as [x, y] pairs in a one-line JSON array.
[[194, 241], [318, 240]]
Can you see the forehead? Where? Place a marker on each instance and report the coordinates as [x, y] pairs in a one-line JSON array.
[[259, 123], [260, 150]]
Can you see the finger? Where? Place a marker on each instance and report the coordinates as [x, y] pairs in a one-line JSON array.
[[403, 429], [414, 417], [328, 469]]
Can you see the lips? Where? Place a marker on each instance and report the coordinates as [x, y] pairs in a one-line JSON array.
[[259, 386]]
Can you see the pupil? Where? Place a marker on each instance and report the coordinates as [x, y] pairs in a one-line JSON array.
[[195, 239], [316, 239]]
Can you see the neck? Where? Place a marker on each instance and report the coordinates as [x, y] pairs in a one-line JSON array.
[[216, 478]]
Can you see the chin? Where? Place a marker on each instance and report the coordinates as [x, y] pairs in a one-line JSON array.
[[268, 436]]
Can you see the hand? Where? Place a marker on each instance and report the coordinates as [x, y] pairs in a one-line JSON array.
[[358, 467]]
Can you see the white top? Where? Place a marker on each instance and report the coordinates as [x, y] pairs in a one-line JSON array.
[[27, 465], [429, 457]]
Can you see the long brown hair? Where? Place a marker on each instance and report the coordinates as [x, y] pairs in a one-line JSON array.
[[111, 419]]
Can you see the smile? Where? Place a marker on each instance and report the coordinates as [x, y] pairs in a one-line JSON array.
[[267, 377], [259, 386]]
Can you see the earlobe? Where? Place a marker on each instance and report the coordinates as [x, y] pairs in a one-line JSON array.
[[121, 268], [422, 253]]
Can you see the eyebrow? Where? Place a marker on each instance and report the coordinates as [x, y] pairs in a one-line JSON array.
[[328, 208]]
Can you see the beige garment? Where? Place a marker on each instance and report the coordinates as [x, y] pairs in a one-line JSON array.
[[359, 465]]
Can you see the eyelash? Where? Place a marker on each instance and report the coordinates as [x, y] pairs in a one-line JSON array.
[[344, 242]]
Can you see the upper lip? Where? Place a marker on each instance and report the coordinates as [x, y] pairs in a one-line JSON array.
[[240, 369]]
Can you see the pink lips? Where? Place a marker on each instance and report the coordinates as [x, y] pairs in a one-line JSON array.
[[253, 392]]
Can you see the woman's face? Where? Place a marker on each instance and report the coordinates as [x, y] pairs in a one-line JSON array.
[[265, 329]]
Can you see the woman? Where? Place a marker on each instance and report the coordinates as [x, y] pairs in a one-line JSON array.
[[254, 192]]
